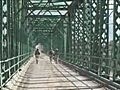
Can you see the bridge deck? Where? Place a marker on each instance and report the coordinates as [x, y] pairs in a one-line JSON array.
[[51, 76]]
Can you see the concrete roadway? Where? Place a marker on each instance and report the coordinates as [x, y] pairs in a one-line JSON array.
[[51, 76]]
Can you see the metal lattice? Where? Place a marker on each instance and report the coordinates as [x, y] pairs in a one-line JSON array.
[[78, 28]]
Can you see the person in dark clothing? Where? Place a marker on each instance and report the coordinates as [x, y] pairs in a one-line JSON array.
[[37, 53], [56, 55], [51, 54]]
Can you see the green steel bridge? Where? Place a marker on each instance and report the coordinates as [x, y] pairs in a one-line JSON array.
[[86, 32]]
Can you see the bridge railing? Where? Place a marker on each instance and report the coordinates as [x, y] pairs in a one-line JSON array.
[[10, 66], [106, 69]]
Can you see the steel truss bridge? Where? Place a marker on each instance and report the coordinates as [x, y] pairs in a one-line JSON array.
[[86, 32]]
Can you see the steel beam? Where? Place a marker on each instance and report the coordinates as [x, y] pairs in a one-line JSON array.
[[48, 8], [0, 43], [45, 16], [116, 39]]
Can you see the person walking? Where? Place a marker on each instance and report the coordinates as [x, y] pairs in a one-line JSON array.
[[56, 55], [37, 53], [51, 54]]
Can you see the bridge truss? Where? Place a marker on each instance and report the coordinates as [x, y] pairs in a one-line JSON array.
[[86, 32]]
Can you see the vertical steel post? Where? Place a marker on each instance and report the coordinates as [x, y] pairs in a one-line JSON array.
[[116, 37], [64, 28], [0, 43], [9, 31], [51, 40], [69, 33]]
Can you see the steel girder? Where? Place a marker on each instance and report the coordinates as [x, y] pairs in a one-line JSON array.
[[59, 33], [88, 37], [51, 12], [100, 40], [81, 34], [44, 27], [4, 52], [116, 39], [12, 34], [45, 8], [88, 34], [0, 42], [40, 21]]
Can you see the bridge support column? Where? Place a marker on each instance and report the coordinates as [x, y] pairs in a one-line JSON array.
[[0, 42]]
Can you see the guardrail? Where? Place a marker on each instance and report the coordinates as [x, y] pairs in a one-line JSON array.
[[10, 66], [104, 69]]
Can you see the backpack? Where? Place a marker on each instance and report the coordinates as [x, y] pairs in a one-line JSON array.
[[37, 52], [51, 52]]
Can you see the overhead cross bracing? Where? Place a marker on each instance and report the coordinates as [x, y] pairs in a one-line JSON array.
[[46, 8], [44, 15]]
